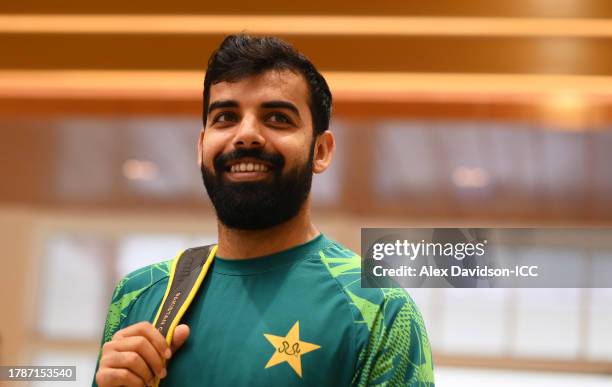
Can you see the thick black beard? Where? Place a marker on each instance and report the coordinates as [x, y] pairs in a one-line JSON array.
[[259, 204]]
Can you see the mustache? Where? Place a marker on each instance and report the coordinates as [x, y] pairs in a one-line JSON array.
[[275, 159]]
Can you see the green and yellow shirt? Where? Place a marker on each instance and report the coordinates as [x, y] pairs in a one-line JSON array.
[[295, 318]]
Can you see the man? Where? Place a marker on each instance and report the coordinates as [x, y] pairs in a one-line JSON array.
[[281, 304]]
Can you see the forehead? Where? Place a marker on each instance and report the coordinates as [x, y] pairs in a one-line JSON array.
[[270, 85]]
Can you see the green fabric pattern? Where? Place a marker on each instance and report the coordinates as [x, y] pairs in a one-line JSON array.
[[368, 309], [123, 296], [398, 352]]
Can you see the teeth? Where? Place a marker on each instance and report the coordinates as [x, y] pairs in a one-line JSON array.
[[248, 167]]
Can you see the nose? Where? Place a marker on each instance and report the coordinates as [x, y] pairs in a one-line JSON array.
[[249, 134]]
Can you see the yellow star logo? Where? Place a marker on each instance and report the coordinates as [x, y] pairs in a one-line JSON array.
[[289, 349]]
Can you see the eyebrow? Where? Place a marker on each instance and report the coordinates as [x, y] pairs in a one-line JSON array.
[[230, 103], [281, 105], [225, 103]]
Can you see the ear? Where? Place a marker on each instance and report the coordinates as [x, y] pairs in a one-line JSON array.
[[325, 146], [201, 147]]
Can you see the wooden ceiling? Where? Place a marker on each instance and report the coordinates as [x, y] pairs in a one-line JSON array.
[[471, 8], [540, 65], [420, 54]]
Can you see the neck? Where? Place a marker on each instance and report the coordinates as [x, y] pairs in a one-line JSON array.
[[245, 244]]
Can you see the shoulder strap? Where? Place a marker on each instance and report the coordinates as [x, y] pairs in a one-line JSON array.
[[186, 275]]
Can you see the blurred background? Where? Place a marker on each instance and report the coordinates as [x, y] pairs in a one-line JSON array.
[[447, 113]]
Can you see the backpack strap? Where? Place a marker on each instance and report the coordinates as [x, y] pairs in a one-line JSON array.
[[186, 275]]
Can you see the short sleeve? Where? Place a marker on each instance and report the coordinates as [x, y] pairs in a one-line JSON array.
[[125, 294], [114, 316], [398, 352]]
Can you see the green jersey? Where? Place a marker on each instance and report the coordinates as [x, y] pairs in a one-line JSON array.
[[295, 318]]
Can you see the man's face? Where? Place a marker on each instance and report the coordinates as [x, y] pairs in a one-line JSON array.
[[256, 149]]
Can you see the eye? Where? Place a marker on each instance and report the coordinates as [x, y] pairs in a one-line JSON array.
[[225, 117], [279, 118]]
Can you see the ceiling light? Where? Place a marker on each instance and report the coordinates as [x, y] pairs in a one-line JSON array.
[[140, 170], [466, 177]]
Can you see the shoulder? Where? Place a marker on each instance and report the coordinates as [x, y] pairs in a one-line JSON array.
[[391, 338], [344, 265], [129, 289], [141, 279]]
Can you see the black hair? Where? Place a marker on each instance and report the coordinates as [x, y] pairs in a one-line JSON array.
[[240, 56]]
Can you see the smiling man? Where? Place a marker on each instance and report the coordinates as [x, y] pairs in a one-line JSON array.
[[281, 304]]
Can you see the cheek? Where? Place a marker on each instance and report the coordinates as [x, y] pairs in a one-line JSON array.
[[296, 150], [211, 147]]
